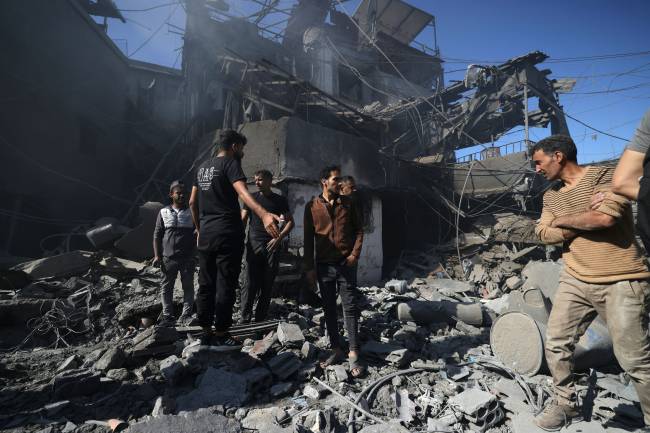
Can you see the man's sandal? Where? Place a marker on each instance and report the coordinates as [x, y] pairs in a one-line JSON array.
[[358, 365]]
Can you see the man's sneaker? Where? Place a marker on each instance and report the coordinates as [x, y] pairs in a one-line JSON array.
[[555, 416], [224, 343], [167, 322]]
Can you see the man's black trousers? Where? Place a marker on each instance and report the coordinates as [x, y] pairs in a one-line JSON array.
[[343, 277], [219, 269], [261, 267]]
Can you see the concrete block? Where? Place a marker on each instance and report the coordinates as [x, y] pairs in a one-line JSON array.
[[308, 350], [261, 347], [118, 374], [471, 400], [258, 379], [163, 406], [284, 365], [112, 358], [338, 373], [200, 421], [74, 383], [172, 369], [290, 335], [264, 420], [61, 265], [215, 387], [313, 391], [70, 363]]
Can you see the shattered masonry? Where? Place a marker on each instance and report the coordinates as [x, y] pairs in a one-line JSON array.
[[455, 335]]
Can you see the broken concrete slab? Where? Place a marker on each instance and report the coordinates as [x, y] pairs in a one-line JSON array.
[[118, 374], [290, 335], [117, 265], [74, 383], [308, 350], [200, 421], [70, 363], [112, 358], [136, 244], [215, 387], [74, 262], [261, 347], [284, 365], [153, 337], [393, 353], [471, 400], [313, 391], [265, 420], [163, 406], [172, 369], [337, 373], [258, 379]]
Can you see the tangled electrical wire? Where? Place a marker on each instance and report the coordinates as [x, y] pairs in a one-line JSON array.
[[60, 320]]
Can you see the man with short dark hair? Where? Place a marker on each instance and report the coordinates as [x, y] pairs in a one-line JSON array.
[[333, 236], [262, 250], [215, 209], [603, 274], [173, 247]]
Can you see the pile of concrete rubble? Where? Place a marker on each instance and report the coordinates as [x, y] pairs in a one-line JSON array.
[[452, 346]]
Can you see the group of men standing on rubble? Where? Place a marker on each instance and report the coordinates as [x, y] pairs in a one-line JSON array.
[[586, 209], [214, 223]]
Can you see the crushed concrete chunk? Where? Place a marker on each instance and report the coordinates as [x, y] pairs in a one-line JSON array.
[[215, 387], [290, 335], [200, 421], [112, 358], [471, 400], [284, 365]]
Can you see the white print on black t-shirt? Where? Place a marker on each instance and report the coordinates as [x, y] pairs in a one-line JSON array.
[[204, 177]]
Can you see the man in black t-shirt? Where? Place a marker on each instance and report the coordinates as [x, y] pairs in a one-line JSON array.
[[262, 249], [218, 183]]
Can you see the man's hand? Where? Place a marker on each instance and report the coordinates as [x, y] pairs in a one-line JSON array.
[[156, 261], [597, 200], [270, 224], [351, 260], [273, 244], [311, 277]]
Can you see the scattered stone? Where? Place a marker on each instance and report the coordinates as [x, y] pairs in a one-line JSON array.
[[163, 406], [308, 350], [74, 262], [339, 373], [313, 391], [70, 363], [265, 420], [118, 374], [290, 335]]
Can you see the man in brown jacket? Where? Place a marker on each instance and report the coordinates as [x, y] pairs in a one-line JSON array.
[[333, 229]]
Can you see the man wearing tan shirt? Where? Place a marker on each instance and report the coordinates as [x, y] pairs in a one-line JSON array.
[[604, 274]]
